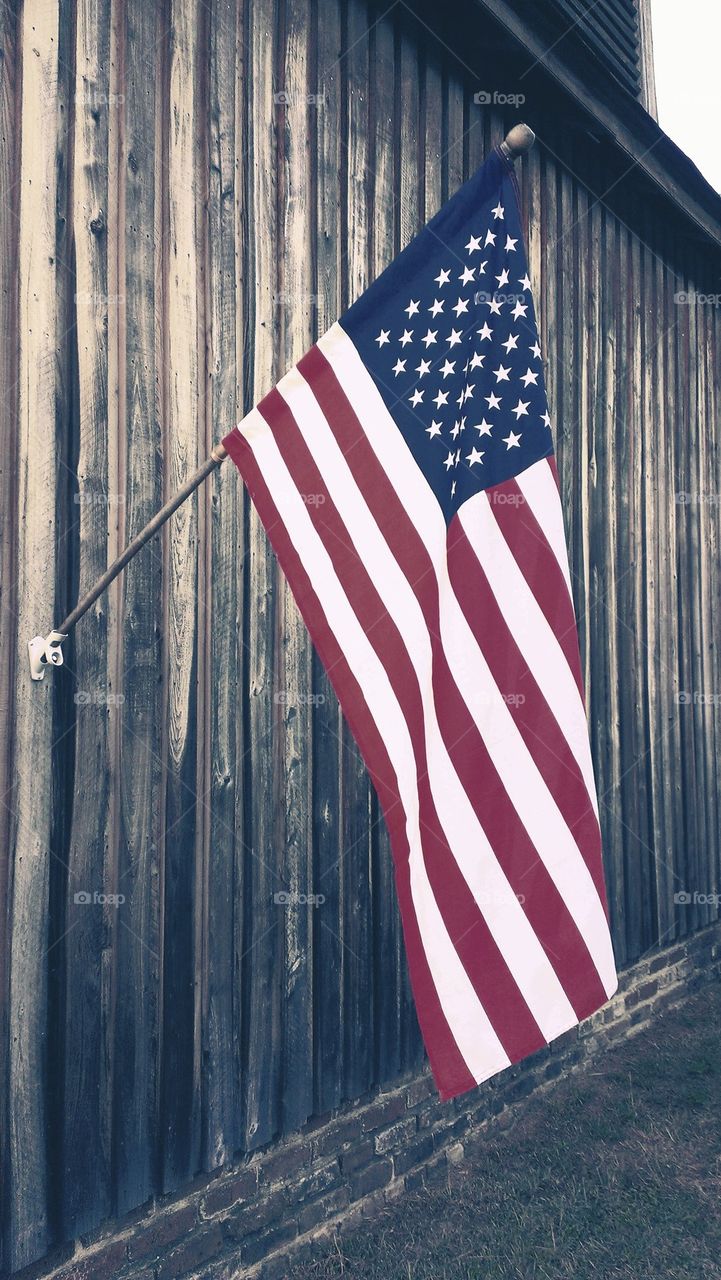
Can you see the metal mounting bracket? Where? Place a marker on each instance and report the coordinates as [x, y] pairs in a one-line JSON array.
[[45, 651]]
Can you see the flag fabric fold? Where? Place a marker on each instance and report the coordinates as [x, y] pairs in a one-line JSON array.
[[404, 473]]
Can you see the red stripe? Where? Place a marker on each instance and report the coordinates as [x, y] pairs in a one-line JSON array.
[[516, 854], [483, 961], [535, 721], [538, 564], [450, 1072]]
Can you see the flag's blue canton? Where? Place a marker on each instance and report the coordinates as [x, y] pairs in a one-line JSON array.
[[448, 333]]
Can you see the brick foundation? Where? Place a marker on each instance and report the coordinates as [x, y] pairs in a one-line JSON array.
[[246, 1220]]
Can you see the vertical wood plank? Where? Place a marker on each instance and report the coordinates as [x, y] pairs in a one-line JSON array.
[[224, 669], [9, 335], [261, 950], [39, 329], [184, 375], [140, 766], [389, 957], [294, 669], [90, 926], [327, 724], [358, 1048]]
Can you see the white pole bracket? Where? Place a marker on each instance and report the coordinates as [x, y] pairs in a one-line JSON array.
[[45, 651]]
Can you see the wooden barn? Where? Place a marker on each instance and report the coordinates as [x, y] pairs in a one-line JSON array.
[[207, 1039]]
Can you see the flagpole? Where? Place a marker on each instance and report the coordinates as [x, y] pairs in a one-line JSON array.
[[47, 650]]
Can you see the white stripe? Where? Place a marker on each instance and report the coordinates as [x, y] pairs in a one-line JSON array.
[[539, 488], [511, 757], [508, 923], [531, 631], [469, 1024]]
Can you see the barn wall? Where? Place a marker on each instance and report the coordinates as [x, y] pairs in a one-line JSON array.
[[192, 192]]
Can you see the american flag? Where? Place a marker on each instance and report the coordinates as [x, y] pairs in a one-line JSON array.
[[404, 472]]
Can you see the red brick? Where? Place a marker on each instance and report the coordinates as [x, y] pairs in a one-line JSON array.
[[154, 1238], [358, 1156], [413, 1153], [201, 1246], [338, 1134], [284, 1163], [376, 1175], [242, 1187], [323, 1208], [259, 1246], [398, 1134], [254, 1217], [314, 1183], [101, 1265], [382, 1112]]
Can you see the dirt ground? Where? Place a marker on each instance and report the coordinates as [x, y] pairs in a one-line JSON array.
[[613, 1175]]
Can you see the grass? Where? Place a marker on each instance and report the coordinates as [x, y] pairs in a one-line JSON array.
[[613, 1175]]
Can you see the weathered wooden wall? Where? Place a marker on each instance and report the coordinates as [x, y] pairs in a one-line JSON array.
[[173, 235]]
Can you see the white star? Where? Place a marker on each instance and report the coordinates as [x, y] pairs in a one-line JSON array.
[[458, 457], [434, 429], [416, 398], [437, 306], [441, 398], [443, 278], [545, 418], [412, 308], [448, 462], [525, 282], [460, 399], [407, 337], [502, 279], [430, 337], [481, 268], [498, 211], [510, 343], [455, 429], [474, 456], [502, 373], [477, 360], [461, 306], [511, 441], [535, 350], [454, 338], [447, 368], [529, 376], [511, 244], [521, 409], [493, 402], [485, 332], [468, 393], [399, 367], [473, 244], [467, 275], [383, 337], [423, 367], [484, 427], [490, 238], [520, 309], [453, 489], [495, 306]]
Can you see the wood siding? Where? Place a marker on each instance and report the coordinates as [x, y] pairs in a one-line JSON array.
[[191, 192]]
